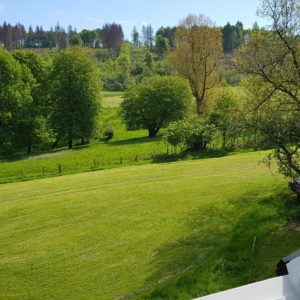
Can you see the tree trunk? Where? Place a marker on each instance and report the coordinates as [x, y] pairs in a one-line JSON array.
[[153, 132], [70, 143], [224, 140], [199, 104], [29, 147]]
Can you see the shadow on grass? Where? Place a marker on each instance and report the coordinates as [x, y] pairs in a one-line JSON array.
[[220, 252], [191, 155], [134, 141], [39, 153]]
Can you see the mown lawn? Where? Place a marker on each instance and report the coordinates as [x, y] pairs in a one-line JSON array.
[[163, 231]]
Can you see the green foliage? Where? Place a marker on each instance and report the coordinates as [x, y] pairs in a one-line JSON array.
[[38, 108], [16, 82], [176, 134], [115, 71], [75, 95], [155, 103], [108, 134], [200, 134], [193, 134], [161, 45], [75, 39], [271, 60], [282, 131], [226, 118], [232, 36]]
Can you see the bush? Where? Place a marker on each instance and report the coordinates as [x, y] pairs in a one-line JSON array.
[[194, 134], [108, 134], [200, 134], [176, 134]]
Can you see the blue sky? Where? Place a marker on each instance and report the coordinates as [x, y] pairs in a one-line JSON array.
[[92, 14]]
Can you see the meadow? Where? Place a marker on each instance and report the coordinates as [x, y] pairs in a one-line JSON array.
[[143, 224], [164, 231], [126, 148]]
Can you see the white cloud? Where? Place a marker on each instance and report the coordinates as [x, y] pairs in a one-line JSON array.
[[95, 20], [60, 12]]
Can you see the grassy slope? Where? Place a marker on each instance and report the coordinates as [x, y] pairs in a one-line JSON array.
[[168, 231], [97, 155], [125, 144]]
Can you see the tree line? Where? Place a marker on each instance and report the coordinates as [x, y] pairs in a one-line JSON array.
[[110, 36]]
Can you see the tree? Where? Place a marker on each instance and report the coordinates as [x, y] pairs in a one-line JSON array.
[[271, 59], [147, 33], [161, 45], [155, 103], [39, 92], [169, 34], [232, 36], [135, 37], [199, 46], [112, 36], [88, 37], [224, 117], [75, 39], [282, 131], [75, 95], [15, 96]]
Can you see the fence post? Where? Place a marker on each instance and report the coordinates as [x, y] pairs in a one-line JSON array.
[[121, 160], [59, 169], [43, 171], [136, 158]]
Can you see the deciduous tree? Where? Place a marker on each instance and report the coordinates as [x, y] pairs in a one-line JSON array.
[[196, 57], [271, 59], [75, 95], [15, 97], [39, 92], [155, 103]]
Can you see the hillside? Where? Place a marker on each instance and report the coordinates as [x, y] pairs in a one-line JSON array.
[[165, 231]]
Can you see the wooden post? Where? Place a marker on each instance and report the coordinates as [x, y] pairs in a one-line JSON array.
[[121, 160], [136, 158], [59, 169], [43, 171], [95, 165]]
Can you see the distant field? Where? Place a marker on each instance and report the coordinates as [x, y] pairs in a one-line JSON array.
[[112, 99], [165, 231]]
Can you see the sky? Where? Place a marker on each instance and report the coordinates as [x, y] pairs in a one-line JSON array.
[[91, 14]]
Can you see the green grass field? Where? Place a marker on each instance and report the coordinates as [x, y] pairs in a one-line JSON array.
[[112, 99], [126, 148], [162, 231]]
